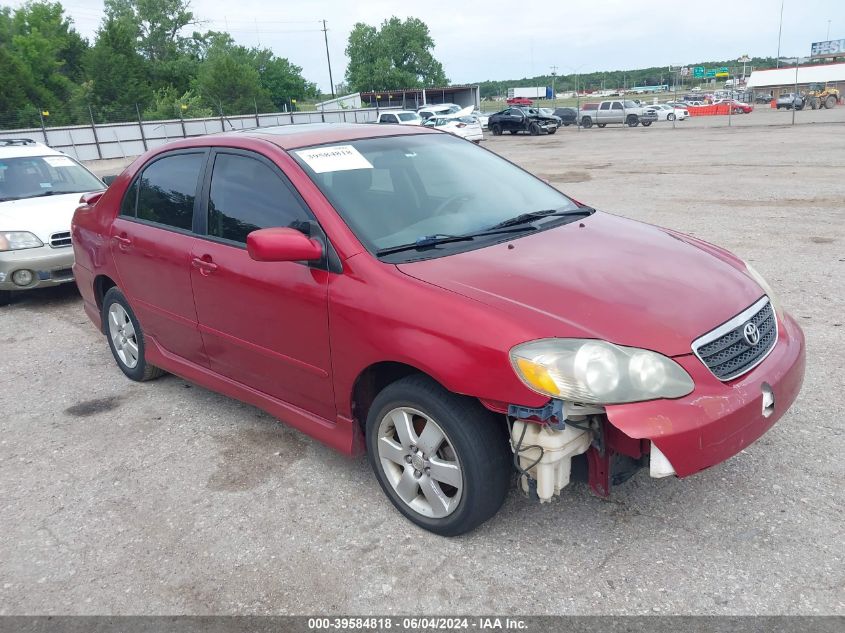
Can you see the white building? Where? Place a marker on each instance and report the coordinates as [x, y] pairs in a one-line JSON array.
[[780, 80]]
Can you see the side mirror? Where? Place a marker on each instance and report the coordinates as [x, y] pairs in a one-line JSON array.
[[282, 245], [109, 179]]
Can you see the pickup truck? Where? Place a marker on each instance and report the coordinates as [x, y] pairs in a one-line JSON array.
[[401, 117], [622, 111]]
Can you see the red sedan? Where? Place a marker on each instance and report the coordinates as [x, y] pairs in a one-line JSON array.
[[520, 101], [405, 293]]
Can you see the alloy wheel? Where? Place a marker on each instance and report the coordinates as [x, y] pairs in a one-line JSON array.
[[419, 462], [123, 336]]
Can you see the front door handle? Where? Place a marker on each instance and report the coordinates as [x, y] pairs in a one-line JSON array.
[[205, 266]]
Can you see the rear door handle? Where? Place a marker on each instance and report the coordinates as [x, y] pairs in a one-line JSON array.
[[123, 242], [205, 267]]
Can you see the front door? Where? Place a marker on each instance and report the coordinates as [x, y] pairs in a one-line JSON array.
[[151, 241], [264, 324]]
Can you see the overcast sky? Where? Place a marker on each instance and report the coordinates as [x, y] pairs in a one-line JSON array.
[[507, 39]]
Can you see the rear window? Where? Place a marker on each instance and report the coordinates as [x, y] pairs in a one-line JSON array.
[[408, 116], [167, 190]]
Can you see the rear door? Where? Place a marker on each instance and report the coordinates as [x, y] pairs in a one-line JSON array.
[[151, 242], [264, 324]]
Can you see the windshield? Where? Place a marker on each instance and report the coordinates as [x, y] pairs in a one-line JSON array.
[[408, 116], [630, 104], [395, 190], [35, 176]]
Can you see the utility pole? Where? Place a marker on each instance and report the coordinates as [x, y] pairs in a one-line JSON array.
[[554, 92], [780, 30], [328, 58]]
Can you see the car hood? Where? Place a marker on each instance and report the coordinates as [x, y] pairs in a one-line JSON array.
[[605, 277], [41, 216]]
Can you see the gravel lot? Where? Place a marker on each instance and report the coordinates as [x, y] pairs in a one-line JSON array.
[[164, 498]]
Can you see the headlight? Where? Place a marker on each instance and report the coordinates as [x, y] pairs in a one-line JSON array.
[[597, 372], [764, 286], [16, 240]]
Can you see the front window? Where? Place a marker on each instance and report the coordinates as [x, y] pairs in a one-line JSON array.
[[37, 176], [396, 190], [630, 104], [408, 116]]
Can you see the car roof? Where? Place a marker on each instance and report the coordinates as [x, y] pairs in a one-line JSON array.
[[17, 150], [306, 134]]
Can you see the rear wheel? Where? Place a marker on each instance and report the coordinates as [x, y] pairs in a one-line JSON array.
[[587, 122], [601, 125], [513, 131], [126, 339], [496, 129], [442, 459], [645, 123]]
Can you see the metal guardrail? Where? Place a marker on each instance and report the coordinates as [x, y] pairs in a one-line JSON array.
[[132, 138]]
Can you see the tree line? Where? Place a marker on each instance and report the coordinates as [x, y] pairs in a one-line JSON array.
[[140, 63], [615, 79]]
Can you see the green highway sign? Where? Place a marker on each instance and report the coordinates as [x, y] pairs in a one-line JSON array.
[[710, 72], [698, 72]]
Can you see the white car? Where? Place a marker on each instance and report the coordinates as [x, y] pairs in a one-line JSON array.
[[667, 112], [482, 117], [439, 109], [466, 127], [39, 191], [400, 117]]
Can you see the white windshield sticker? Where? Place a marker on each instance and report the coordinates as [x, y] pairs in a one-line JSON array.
[[334, 158], [58, 161]]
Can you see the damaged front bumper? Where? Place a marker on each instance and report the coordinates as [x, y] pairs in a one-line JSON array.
[[718, 419], [673, 437]]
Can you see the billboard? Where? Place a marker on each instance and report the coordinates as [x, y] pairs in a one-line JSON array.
[[831, 48]]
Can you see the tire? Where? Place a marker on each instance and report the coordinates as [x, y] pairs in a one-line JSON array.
[[513, 131], [471, 441], [670, 117], [632, 120], [566, 125], [553, 131], [601, 125], [534, 129], [586, 122], [830, 102], [496, 128], [646, 123], [5, 297], [122, 331]]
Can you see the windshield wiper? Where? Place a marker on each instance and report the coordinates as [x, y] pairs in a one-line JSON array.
[[525, 218], [428, 241]]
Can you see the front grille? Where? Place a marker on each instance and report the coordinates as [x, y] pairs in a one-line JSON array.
[[725, 350], [58, 240], [62, 273]]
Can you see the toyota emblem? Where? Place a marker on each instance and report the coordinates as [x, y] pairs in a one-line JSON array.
[[751, 334]]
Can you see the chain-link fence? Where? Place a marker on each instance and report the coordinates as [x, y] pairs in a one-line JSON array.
[[133, 135]]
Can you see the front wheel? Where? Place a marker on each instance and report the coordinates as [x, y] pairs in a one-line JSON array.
[[670, 117], [830, 102], [442, 459], [534, 129], [552, 131], [646, 123], [126, 339], [496, 129], [632, 120]]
